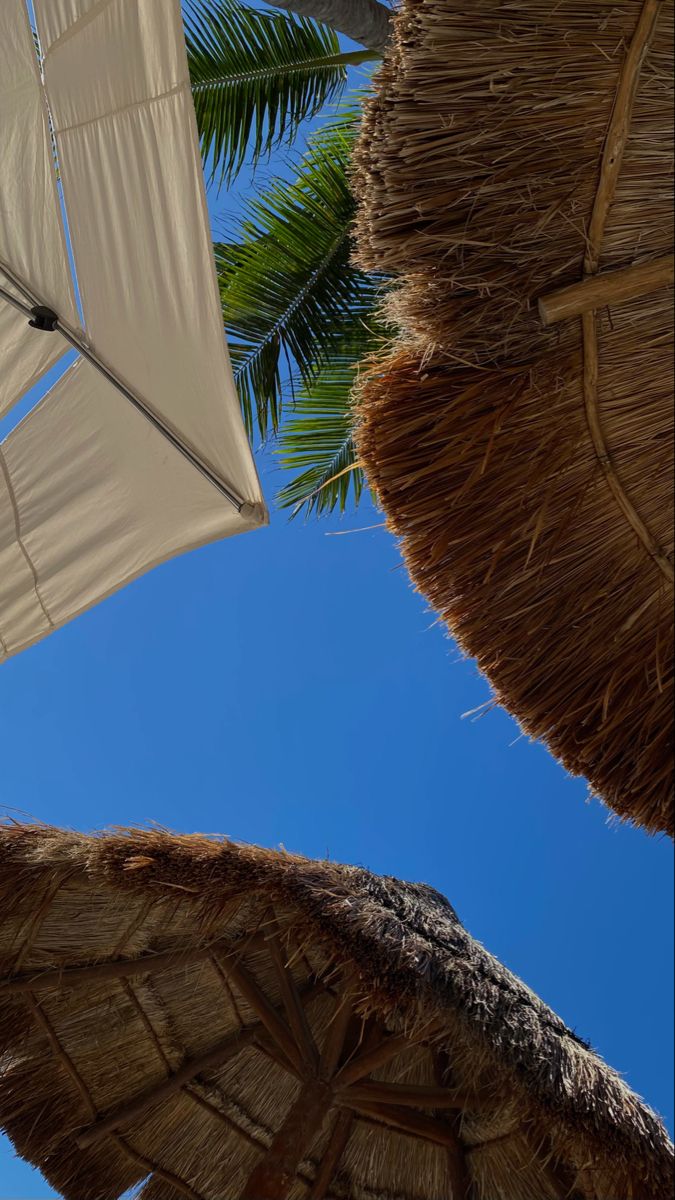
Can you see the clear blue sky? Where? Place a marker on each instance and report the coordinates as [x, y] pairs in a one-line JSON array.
[[287, 687]]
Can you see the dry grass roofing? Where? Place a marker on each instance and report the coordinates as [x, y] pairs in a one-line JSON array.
[[515, 173], [219, 1022]]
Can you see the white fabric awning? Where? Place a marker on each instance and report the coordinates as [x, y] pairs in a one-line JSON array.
[[31, 234], [93, 492]]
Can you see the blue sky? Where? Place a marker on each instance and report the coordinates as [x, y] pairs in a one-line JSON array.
[[288, 687]]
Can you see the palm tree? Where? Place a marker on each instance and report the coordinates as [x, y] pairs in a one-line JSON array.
[[298, 315], [364, 21]]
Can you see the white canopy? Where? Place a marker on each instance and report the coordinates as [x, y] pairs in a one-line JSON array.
[[98, 484]]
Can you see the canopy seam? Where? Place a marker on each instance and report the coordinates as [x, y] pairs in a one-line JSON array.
[[19, 539], [115, 112], [33, 32], [77, 25]]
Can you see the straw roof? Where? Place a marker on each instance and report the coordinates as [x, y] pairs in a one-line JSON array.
[[515, 175], [230, 1023]]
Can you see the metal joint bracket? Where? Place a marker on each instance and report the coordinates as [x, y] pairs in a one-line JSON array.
[[43, 318]]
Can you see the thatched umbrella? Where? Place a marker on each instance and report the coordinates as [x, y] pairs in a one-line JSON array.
[[230, 1023], [515, 172]]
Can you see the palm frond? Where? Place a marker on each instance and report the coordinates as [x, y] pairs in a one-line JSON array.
[[316, 441], [256, 76], [288, 289]]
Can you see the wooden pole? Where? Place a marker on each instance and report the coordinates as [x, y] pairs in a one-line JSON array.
[[606, 289], [591, 379], [404, 1120], [263, 1008], [459, 1174], [335, 1149], [276, 1174], [128, 1112], [336, 1036], [409, 1095], [269, 1047], [559, 1175], [361, 1066], [619, 129], [297, 1018], [120, 968]]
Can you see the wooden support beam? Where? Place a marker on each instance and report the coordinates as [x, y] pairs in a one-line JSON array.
[[619, 129], [297, 1017], [120, 968], [409, 1095], [371, 1059], [591, 387], [62, 1057], [158, 1173], [276, 1174], [264, 1009], [606, 289], [268, 1046], [332, 1155], [559, 1175], [146, 1165], [560, 1183], [403, 1120], [336, 1036], [131, 1110], [459, 1171]]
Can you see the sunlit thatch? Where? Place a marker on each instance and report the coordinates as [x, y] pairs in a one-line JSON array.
[[221, 1022], [519, 436]]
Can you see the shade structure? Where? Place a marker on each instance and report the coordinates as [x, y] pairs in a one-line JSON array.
[[139, 451], [211, 1020], [515, 177]]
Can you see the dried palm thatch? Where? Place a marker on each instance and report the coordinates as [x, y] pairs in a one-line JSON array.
[[197, 1018], [515, 173]]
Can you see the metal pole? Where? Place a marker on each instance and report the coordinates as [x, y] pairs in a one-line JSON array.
[[74, 340], [18, 304]]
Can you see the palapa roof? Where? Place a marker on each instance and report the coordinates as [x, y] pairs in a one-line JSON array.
[[210, 1020], [519, 434]]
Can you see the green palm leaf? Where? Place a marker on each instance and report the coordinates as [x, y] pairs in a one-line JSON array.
[[316, 440], [256, 76], [288, 289]]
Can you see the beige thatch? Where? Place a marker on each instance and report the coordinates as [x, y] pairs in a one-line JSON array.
[[203, 1019], [515, 172]]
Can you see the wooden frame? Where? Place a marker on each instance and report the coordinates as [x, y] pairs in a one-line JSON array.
[[336, 1083]]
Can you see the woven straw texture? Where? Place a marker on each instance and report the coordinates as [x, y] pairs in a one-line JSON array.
[[203, 1019], [519, 436]]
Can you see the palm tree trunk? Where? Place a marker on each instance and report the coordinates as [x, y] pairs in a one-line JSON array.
[[367, 22]]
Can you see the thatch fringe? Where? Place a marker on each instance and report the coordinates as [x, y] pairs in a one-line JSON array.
[[493, 485], [412, 965], [534, 504]]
